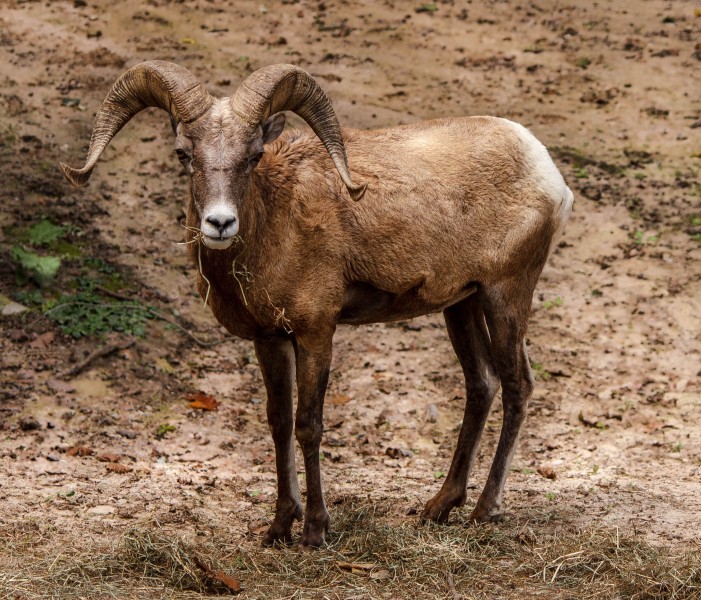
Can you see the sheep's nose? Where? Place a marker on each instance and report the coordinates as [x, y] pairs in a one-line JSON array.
[[221, 222]]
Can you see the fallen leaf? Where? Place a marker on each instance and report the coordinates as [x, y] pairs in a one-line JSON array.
[[217, 575], [80, 451], [108, 458], [547, 472], [43, 341], [163, 365], [202, 401], [339, 399], [117, 468]]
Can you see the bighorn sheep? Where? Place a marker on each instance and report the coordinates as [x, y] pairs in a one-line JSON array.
[[458, 215]]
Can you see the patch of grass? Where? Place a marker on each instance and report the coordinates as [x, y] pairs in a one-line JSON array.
[[429, 7], [583, 62], [548, 304], [164, 429], [540, 373], [640, 239], [532, 558]]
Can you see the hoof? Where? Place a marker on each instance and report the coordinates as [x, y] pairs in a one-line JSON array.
[[438, 509], [280, 532], [313, 534], [479, 516]]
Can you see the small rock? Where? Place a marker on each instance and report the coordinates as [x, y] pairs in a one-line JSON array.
[[11, 308], [398, 453], [431, 413], [58, 386], [102, 509], [28, 424], [127, 433], [118, 468]]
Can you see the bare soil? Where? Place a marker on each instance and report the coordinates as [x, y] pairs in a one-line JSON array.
[[613, 438]]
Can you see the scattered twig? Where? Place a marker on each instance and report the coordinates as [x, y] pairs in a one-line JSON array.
[[99, 353], [112, 294]]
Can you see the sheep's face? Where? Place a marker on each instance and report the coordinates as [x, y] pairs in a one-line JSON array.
[[220, 152]]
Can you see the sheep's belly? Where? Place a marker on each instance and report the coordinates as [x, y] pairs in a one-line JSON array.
[[364, 303]]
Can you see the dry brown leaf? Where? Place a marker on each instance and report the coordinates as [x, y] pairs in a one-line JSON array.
[[230, 582], [80, 451], [547, 472], [43, 341], [338, 399], [202, 401], [117, 468], [110, 458]]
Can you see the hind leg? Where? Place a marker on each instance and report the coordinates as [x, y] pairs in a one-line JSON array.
[[470, 339], [506, 308]]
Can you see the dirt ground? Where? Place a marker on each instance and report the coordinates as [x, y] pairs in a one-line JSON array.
[[613, 438]]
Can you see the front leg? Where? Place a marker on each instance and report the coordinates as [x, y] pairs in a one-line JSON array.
[[313, 363], [276, 360]]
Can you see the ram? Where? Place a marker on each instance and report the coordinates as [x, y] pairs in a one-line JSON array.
[[457, 215]]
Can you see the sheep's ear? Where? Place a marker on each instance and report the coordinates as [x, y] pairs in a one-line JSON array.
[[174, 124], [273, 127]]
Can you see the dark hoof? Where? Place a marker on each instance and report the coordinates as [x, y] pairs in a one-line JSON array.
[[280, 532], [479, 516], [438, 509], [313, 534]]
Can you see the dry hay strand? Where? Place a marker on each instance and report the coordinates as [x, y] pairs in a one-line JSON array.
[[374, 551], [139, 564]]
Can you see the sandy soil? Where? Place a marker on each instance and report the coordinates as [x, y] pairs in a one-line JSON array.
[[613, 91]]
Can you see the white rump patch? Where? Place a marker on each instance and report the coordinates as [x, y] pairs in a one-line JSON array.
[[547, 178]]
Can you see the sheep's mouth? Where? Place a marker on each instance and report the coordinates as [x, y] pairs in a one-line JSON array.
[[217, 243]]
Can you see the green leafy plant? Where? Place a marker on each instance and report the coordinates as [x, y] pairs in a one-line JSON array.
[[32, 267], [87, 313], [44, 232]]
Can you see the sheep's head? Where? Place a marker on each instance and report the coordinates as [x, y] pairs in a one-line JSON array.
[[218, 141], [220, 152]]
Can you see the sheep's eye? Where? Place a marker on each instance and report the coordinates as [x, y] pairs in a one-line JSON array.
[[181, 154]]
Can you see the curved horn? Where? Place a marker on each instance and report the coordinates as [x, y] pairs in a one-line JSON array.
[[152, 83], [286, 87]]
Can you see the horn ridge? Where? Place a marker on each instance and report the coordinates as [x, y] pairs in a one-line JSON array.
[[152, 83], [287, 87]]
